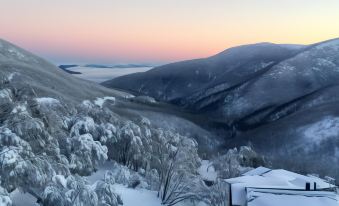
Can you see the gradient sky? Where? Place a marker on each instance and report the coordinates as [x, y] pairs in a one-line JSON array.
[[109, 31]]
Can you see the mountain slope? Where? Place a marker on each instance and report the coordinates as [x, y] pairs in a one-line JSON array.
[[30, 76], [248, 79], [19, 66], [314, 68], [178, 80], [287, 107]]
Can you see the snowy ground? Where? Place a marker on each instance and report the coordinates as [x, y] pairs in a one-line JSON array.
[[130, 197], [133, 197], [142, 197], [22, 199], [104, 74]]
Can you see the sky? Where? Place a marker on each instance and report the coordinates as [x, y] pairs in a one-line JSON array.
[[159, 31]]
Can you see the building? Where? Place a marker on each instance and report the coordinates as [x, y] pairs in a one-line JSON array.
[[267, 187]]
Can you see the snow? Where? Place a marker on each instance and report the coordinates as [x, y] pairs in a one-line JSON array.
[[278, 179], [11, 76], [282, 198], [257, 171], [134, 197], [47, 101], [6, 93], [100, 101], [20, 108], [82, 124], [87, 103], [145, 99], [325, 63], [22, 199], [16, 53], [297, 180], [5, 201], [9, 157], [60, 179], [283, 69], [321, 130], [130, 197], [207, 171], [101, 172]]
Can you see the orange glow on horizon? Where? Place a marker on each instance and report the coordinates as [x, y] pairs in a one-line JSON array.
[[125, 30]]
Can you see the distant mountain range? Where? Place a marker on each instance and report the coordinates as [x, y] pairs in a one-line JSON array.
[[282, 98], [120, 66]]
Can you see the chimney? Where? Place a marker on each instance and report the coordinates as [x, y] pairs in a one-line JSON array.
[[308, 186]]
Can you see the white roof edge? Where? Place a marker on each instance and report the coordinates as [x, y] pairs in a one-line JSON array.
[[257, 171], [294, 192]]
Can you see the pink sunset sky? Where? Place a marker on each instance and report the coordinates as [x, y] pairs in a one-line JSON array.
[[110, 31]]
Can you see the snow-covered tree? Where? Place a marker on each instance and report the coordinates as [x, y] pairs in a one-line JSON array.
[[132, 147], [177, 161], [105, 191], [85, 154], [235, 162], [5, 200], [71, 191], [39, 144], [217, 194], [75, 191], [46, 145]]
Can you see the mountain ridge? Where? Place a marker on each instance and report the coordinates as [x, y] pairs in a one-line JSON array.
[[286, 108], [204, 71]]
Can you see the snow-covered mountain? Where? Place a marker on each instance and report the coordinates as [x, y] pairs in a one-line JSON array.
[[55, 129], [179, 80], [281, 98], [314, 68], [27, 71]]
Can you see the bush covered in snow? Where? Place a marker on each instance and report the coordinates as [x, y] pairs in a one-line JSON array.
[[5, 200], [46, 147], [236, 162], [75, 191]]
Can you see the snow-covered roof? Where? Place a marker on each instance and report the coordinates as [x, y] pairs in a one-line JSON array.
[[257, 171], [265, 181], [266, 178]]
